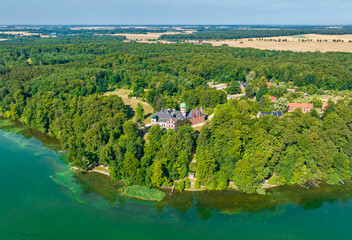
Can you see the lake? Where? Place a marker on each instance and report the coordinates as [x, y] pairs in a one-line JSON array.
[[41, 199]]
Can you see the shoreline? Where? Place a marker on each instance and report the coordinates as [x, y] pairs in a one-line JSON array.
[[74, 168], [230, 187]]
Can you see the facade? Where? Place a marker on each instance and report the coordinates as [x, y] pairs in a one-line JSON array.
[[305, 107], [167, 118]]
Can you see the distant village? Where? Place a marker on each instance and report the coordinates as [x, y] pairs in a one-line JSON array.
[[292, 106]]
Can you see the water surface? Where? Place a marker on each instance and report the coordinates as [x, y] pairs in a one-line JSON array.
[[41, 199]]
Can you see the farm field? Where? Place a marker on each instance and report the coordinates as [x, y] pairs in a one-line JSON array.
[[132, 103], [300, 43], [22, 33], [149, 37]]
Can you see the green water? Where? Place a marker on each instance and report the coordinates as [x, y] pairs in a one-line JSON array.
[[41, 199]]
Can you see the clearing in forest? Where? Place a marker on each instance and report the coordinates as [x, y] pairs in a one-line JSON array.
[[132, 103]]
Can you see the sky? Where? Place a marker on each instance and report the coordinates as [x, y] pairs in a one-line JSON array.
[[164, 12]]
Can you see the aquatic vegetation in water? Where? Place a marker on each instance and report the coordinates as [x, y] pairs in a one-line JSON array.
[[65, 179], [144, 193]]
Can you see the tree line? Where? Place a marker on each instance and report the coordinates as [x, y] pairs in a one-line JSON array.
[[230, 33]]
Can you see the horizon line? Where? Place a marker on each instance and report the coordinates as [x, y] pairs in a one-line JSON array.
[[315, 25]]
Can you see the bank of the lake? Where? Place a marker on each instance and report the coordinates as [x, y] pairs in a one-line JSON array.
[[42, 199]]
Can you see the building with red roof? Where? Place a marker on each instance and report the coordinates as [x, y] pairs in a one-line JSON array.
[[268, 84], [305, 107], [325, 104], [273, 99]]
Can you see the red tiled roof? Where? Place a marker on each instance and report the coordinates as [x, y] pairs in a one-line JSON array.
[[300, 105], [268, 84], [325, 104]]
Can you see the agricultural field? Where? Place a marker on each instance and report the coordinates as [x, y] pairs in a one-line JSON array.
[[21, 33], [148, 37], [298, 43]]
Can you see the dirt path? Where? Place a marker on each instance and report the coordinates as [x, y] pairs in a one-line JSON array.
[[235, 96]]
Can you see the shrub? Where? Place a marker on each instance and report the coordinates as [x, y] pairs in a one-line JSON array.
[[196, 185], [180, 186], [212, 185], [273, 180], [187, 184], [261, 191]]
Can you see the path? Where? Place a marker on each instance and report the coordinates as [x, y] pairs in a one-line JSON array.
[[235, 96]]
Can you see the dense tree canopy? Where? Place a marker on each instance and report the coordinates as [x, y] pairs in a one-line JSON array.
[[58, 88], [296, 147], [230, 33]]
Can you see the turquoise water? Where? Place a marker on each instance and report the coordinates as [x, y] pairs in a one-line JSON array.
[[41, 199]]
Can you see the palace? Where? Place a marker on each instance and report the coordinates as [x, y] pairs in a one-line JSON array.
[[167, 118]]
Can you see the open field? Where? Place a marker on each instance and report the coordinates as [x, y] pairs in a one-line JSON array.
[[301, 43], [148, 37], [132, 103], [93, 28], [22, 33]]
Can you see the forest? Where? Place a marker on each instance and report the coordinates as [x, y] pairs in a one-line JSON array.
[[68, 30], [230, 33], [57, 86]]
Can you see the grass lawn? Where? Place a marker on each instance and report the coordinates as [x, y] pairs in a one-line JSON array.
[[123, 93], [144, 193]]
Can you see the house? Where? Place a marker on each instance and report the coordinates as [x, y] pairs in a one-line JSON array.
[[291, 90], [269, 84], [277, 114], [191, 176], [243, 86], [167, 118], [305, 107], [325, 104], [273, 99]]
